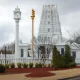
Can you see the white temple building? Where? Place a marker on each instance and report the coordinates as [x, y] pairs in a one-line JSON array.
[[49, 34]]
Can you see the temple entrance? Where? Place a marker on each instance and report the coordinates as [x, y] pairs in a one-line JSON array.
[[42, 49]]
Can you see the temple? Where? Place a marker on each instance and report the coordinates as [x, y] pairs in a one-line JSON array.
[[49, 34]]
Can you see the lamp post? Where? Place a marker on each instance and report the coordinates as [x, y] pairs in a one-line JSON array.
[[1, 56], [5, 53], [32, 17]]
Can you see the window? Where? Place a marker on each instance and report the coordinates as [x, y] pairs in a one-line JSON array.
[[74, 54], [62, 51], [48, 16], [21, 52], [48, 22], [28, 54], [48, 30]]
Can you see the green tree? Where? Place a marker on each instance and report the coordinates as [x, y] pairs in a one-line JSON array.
[[67, 56], [54, 54], [57, 60]]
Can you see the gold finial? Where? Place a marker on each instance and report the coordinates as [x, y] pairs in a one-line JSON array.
[[33, 14]]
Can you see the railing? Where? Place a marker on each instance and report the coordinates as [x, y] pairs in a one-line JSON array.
[[22, 60]]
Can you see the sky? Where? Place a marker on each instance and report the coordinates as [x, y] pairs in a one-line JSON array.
[[68, 10]]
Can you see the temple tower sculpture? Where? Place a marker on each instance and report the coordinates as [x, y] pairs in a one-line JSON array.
[[49, 28]]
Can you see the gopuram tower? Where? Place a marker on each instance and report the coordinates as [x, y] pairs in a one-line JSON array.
[[49, 29]]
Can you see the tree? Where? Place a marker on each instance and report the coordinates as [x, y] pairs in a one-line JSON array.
[[57, 59], [54, 54], [77, 40], [75, 37], [67, 56]]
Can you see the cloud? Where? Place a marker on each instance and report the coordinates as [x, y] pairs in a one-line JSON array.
[[6, 33], [70, 23], [68, 10]]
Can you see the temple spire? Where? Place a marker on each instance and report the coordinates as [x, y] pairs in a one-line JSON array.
[[50, 29]]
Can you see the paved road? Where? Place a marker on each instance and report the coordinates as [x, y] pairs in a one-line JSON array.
[[77, 78]]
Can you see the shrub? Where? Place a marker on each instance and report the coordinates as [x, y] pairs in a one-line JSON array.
[[25, 65], [12, 65], [6, 65], [57, 58], [2, 68], [45, 65], [72, 64], [68, 59], [63, 61], [30, 65], [40, 65], [19, 64], [36, 65], [67, 56]]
